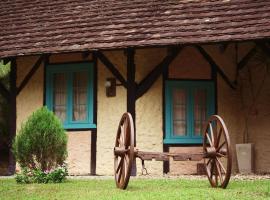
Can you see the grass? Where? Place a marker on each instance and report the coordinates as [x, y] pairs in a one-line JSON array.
[[138, 189]]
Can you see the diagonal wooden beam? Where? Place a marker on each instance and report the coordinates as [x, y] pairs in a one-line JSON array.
[[31, 73], [215, 66], [111, 67], [264, 48], [246, 58], [150, 79], [4, 91]]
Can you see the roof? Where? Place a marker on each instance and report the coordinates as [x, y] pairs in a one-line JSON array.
[[44, 26]]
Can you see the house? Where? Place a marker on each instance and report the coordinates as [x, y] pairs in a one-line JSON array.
[[186, 59]]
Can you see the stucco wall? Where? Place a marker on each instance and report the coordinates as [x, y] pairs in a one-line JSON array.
[[31, 98], [109, 112]]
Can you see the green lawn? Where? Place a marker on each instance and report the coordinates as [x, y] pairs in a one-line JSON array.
[[138, 189]]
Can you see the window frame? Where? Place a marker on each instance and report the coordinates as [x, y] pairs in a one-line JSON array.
[[69, 69], [189, 86]]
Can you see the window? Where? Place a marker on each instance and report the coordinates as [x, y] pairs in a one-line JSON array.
[[188, 106], [69, 94]]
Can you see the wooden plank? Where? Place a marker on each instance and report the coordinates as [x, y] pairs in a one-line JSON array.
[[150, 79], [131, 95], [213, 64], [166, 156], [4, 91], [93, 152], [31, 73], [264, 47], [12, 116], [246, 58], [111, 67]]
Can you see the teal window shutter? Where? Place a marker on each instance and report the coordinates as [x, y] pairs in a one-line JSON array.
[[69, 94], [188, 105]]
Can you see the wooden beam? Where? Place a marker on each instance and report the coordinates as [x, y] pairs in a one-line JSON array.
[[93, 152], [4, 91], [12, 114], [264, 48], [111, 67], [214, 65], [131, 95], [246, 58], [150, 79], [31, 73], [6, 61]]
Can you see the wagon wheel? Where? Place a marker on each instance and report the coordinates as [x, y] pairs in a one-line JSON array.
[[124, 151], [217, 152]]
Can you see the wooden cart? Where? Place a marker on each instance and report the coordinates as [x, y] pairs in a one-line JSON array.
[[216, 152]]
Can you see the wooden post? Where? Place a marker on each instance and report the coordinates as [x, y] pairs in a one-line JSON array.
[[12, 116], [131, 95]]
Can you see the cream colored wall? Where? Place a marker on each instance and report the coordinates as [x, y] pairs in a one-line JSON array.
[[149, 114], [31, 98], [109, 112]]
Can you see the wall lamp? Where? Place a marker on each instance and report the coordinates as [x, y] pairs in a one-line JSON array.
[[110, 86]]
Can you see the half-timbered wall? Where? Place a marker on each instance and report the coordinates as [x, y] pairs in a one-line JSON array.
[[149, 108]]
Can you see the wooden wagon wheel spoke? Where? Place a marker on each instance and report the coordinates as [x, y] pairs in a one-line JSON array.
[[208, 161], [221, 155], [120, 174], [218, 149], [209, 139], [217, 173], [221, 165], [120, 164], [218, 137], [212, 134]]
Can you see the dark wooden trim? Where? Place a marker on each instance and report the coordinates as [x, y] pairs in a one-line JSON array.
[[31, 73], [46, 62], [72, 62], [213, 64], [111, 67], [93, 152], [166, 164], [131, 95], [6, 61], [150, 79], [13, 114], [4, 91], [264, 48], [94, 132], [246, 58]]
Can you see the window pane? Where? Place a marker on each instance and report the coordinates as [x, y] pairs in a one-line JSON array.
[[179, 112], [200, 110], [80, 82], [60, 95]]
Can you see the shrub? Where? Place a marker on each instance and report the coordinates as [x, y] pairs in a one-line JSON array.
[[57, 175], [41, 142]]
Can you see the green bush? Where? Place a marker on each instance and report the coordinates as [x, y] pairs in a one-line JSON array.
[[41, 142], [57, 175]]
